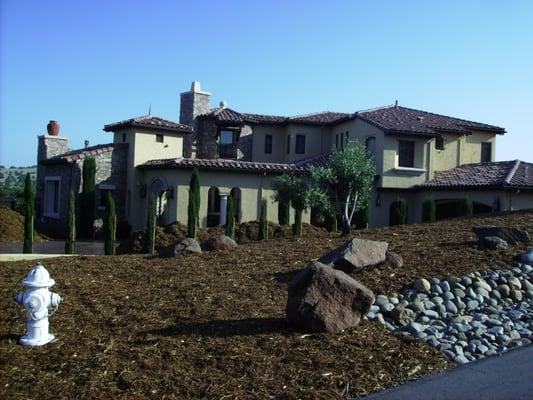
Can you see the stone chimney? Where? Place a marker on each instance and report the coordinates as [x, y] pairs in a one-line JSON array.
[[51, 145], [194, 103]]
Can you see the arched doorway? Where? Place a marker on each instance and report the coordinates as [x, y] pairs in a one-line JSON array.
[[213, 206], [235, 193], [158, 190]]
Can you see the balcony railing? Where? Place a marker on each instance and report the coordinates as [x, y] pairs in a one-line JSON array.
[[227, 151]]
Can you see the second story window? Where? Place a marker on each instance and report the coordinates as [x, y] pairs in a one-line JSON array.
[[486, 152], [406, 154], [370, 146], [159, 138], [288, 144], [439, 143], [268, 144], [226, 144], [300, 144], [337, 141]]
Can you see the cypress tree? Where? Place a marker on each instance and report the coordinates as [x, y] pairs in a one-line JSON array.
[[230, 218], [70, 243], [263, 224], [466, 207], [87, 198], [29, 213], [297, 226], [149, 234], [284, 212], [110, 225], [191, 216], [398, 212], [194, 186], [429, 211]]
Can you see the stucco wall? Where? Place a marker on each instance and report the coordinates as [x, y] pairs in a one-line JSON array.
[[398, 177], [254, 187], [279, 143], [471, 146], [447, 158]]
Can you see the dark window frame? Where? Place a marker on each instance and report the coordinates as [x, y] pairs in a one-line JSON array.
[[159, 138], [406, 153], [486, 147], [268, 144], [288, 144], [299, 147], [439, 143], [227, 150]]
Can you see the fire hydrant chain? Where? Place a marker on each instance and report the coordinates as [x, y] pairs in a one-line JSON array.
[[37, 300]]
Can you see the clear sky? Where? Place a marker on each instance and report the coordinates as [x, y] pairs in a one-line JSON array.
[[88, 63]]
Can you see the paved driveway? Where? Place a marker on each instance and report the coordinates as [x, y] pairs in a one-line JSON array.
[[507, 377], [56, 247]]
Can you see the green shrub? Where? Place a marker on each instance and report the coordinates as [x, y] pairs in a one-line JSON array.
[[194, 186], [230, 218], [70, 243], [191, 216], [149, 234], [297, 226], [362, 217], [466, 207], [398, 212], [284, 212], [429, 211], [263, 224], [29, 213], [87, 198], [110, 225]]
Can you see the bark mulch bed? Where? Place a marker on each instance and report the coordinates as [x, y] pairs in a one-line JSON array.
[[211, 325], [12, 227]]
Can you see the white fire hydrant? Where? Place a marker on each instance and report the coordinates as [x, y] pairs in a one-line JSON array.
[[37, 299]]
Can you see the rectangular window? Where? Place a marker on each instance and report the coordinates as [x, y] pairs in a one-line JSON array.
[[159, 138], [51, 196], [346, 137], [439, 143], [288, 144], [268, 144], [300, 144], [337, 141], [123, 137], [226, 144], [406, 154], [486, 152]]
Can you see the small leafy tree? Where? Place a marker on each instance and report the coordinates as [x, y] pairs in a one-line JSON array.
[[343, 185], [70, 243], [29, 213], [263, 223], [398, 212], [466, 207], [230, 218], [110, 225], [149, 234], [87, 198], [362, 217], [429, 211], [284, 212], [293, 188]]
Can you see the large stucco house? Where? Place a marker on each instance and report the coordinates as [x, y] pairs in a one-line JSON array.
[[418, 155]]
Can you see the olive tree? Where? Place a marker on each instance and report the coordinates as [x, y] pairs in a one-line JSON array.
[[343, 185]]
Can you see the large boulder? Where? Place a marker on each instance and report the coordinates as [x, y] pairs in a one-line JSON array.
[[186, 246], [221, 242], [322, 299], [510, 235], [356, 255]]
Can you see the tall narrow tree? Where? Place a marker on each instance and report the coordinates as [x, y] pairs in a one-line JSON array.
[[230, 217], [29, 213], [87, 198], [191, 216], [263, 223], [149, 234], [284, 212], [110, 225], [70, 243], [293, 188], [194, 186], [429, 211]]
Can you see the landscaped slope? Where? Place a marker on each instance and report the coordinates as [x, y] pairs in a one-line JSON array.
[[212, 325], [12, 226]]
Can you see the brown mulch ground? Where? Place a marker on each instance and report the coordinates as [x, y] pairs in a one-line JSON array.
[[12, 227], [211, 325]]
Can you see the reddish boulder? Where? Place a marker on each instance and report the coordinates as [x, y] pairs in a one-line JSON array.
[[323, 299]]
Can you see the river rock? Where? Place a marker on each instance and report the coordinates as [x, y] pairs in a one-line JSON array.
[[322, 299], [527, 257], [403, 316]]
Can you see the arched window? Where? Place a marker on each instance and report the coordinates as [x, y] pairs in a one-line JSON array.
[[370, 146], [158, 190], [213, 206], [236, 195]]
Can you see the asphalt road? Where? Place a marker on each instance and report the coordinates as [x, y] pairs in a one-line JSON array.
[[505, 377]]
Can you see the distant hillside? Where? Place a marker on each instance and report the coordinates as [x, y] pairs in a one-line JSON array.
[[15, 176]]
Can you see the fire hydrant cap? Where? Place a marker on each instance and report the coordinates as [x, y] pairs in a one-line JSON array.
[[38, 277]]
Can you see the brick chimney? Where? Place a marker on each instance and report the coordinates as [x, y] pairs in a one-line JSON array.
[[193, 103], [51, 145]]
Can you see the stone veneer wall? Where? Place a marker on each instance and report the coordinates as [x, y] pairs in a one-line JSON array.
[[111, 168]]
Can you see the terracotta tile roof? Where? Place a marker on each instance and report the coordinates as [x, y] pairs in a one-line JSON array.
[[80, 154], [149, 121], [229, 165], [501, 174], [227, 115], [396, 119]]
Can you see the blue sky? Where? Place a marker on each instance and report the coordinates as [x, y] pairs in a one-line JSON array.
[[88, 63]]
